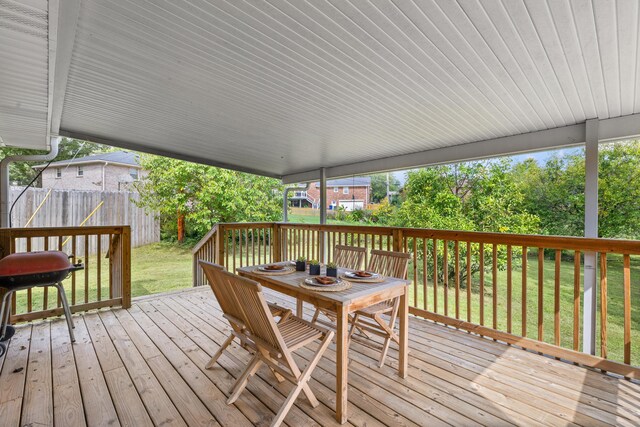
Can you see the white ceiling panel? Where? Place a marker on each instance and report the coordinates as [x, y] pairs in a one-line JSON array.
[[282, 87], [23, 73]]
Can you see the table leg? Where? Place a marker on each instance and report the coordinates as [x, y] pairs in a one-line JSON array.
[[342, 364], [299, 308], [404, 335]]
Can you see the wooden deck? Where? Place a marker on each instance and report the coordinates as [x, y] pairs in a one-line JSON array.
[[145, 366]]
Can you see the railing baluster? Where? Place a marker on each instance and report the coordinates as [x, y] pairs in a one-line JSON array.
[[576, 300], [45, 291], [524, 291], [240, 248], [435, 275], [424, 273], [86, 269], [540, 294], [469, 282], [481, 283], [415, 272], [111, 251], [627, 308], [494, 283], [509, 287], [73, 260], [556, 300], [445, 275], [457, 273], [603, 304], [29, 294], [98, 269], [74, 249]]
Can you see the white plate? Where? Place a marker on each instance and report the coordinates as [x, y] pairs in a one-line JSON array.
[[311, 281], [353, 275]]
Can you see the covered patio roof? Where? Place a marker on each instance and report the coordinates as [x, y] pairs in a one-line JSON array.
[[284, 88]]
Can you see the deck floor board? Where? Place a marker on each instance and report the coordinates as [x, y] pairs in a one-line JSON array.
[[145, 366]]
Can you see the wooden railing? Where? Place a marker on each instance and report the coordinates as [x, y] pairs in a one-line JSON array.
[[104, 282], [520, 289], [235, 245]]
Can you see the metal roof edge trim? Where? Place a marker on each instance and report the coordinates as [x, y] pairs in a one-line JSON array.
[[610, 129]]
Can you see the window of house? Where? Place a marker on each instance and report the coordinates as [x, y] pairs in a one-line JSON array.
[[345, 190], [58, 172], [80, 171], [134, 173], [335, 189]]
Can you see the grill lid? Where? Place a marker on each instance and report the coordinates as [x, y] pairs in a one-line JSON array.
[[34, 263]]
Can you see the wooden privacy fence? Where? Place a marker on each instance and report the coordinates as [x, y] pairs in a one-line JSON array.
[[104, 282], [519, 289], [69, 208]]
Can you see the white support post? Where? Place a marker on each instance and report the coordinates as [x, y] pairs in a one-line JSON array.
[[323, 213], [590, 230], [323, 196]]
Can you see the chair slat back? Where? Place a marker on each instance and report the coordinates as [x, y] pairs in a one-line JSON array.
[[225, 296], [256, 315], [390, 264], [350, 257]]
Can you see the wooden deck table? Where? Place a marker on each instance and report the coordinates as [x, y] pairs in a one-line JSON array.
[[360, 295]]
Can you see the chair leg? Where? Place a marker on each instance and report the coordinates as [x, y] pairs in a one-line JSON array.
[[242, 381], [5, 312], [218, 353], [303, 381], [315, 315], [67, 310], [391, 335]]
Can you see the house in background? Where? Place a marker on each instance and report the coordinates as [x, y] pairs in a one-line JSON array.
[[114, 171], [351, 193]]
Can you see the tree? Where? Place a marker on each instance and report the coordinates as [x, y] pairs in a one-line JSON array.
[[555, 192], [22, 172], [201, 196], [475, 196], [379, 186]]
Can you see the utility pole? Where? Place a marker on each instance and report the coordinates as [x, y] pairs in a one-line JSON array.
[[388, 195]]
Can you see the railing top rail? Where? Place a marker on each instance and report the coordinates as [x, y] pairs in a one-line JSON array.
[[242, 225], [387, 231], [531, 240], [62, 231], [583, 244]]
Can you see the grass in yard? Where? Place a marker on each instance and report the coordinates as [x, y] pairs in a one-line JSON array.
[[159, 267], [615, 319], [312, 216]]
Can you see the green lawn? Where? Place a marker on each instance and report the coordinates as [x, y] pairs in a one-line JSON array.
[[313, 217]]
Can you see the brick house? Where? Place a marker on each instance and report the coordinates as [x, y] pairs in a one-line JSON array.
[[114, 171], [351, 193]]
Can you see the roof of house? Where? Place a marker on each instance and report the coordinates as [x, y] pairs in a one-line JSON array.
[[361, 181], [119, 157]]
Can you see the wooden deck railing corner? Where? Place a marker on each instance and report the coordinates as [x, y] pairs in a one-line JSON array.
[[105, 281]]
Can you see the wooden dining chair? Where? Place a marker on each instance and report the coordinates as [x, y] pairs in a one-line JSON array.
[[389, 264], [232, 312], [275, 343], [349, 257]]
